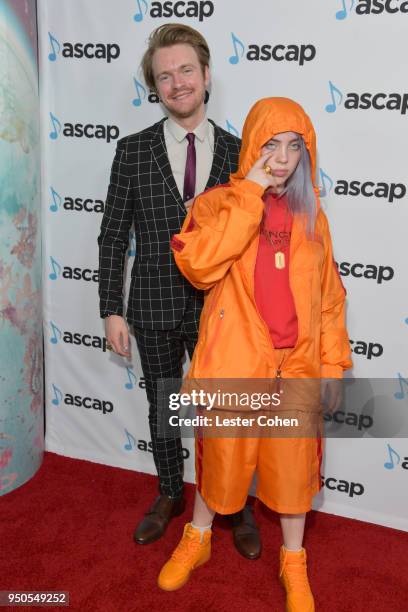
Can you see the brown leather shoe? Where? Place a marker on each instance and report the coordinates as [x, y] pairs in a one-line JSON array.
[[156, 519], [246, 535]]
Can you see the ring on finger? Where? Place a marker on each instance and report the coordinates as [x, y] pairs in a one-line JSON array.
[[109, 347], [267, 169]]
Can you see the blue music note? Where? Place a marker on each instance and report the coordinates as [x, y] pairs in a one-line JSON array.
[[234, 59], [140, 91], [325, 178], [131, 440], [56, 269], [330, 108], [53, 56], [56, 333], [132, 244], [231, 129], [56, 125], [389, 465], [139, 15], [131, 376], [57, 396], [342, 13], [56, 200], [400, 394]]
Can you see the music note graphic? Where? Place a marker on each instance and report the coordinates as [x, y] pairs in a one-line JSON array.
[[330, 108], [139, 15], [56, 200], [140, 91], [131, 440], [389, 465], [342, 13], [57, 396], [234, 59], [54, 43], [132, 244], [56, 125], [400, 394], [56, 269], [56, 333], [231, 129], [325, 178], [131, 376]]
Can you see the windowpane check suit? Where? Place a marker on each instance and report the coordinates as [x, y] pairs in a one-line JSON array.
[[163, 307]]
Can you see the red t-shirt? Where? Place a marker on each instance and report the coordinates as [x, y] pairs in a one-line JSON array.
[[273, 294]]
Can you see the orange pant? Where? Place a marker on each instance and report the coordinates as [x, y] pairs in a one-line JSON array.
[[288, 472], [287, 468]]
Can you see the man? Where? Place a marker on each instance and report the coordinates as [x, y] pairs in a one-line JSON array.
[[155, 175]]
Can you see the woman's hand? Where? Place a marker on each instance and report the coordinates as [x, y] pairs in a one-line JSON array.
[[331, 394], [258, 175]]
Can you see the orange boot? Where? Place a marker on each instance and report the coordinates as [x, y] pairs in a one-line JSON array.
[[293, 575], [190, 553]]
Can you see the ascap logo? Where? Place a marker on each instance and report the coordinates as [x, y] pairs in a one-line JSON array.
[[82, 130], [343, 486], [198, 10], [366, 101], [367, 189], [94, 403], [371, 7], [360, 421], [58, 271], [369, 271], [68, 50], [394, 459], [76, 338], [300, 54], [144, 445], [75, 204], [142, 94], [367, 349]]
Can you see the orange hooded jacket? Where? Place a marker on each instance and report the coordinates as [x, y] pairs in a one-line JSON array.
[[216, 251]]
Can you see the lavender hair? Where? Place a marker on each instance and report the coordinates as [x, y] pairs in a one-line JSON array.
[[299, 190]]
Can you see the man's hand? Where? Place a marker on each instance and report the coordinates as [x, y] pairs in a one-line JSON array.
[[331, 394], [117, 334], [188, 203]]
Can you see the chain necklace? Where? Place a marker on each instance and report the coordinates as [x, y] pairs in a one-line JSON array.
[[280, 260]]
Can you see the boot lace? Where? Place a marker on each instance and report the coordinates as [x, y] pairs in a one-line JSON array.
[[295, 574], [187, 550]]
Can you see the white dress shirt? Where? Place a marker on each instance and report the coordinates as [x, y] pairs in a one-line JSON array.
[[176, 145]]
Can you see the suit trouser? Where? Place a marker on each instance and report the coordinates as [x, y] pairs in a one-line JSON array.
[[161, 353]]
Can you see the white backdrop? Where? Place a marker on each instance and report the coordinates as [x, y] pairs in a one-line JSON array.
[[344, 61]]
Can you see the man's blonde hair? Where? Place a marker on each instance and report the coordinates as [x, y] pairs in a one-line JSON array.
[[168, 35]]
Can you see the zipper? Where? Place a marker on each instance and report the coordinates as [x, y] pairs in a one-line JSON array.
[[252, 293], [214, 335], [218, 322]]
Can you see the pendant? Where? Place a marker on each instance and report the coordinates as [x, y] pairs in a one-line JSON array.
[[279, 260]]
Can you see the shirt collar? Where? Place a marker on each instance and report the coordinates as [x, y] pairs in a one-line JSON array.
[[179, 133]]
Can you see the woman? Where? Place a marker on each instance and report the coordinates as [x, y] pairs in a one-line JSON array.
[[275, 309]]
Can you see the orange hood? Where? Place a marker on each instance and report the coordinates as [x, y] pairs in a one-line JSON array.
[[269, 117]]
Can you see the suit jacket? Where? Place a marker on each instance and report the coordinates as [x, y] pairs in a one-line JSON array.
[[143, 192]]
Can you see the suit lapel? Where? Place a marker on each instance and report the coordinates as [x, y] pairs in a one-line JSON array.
[[158, 148], [220, 168]]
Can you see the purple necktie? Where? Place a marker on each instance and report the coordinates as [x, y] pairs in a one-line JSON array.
[[190, 172]]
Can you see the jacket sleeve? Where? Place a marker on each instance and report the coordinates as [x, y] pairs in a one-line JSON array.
[[216, 231], [334, 342], [113, 239]]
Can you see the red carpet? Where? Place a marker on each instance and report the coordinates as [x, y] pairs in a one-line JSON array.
[[70, 528]]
